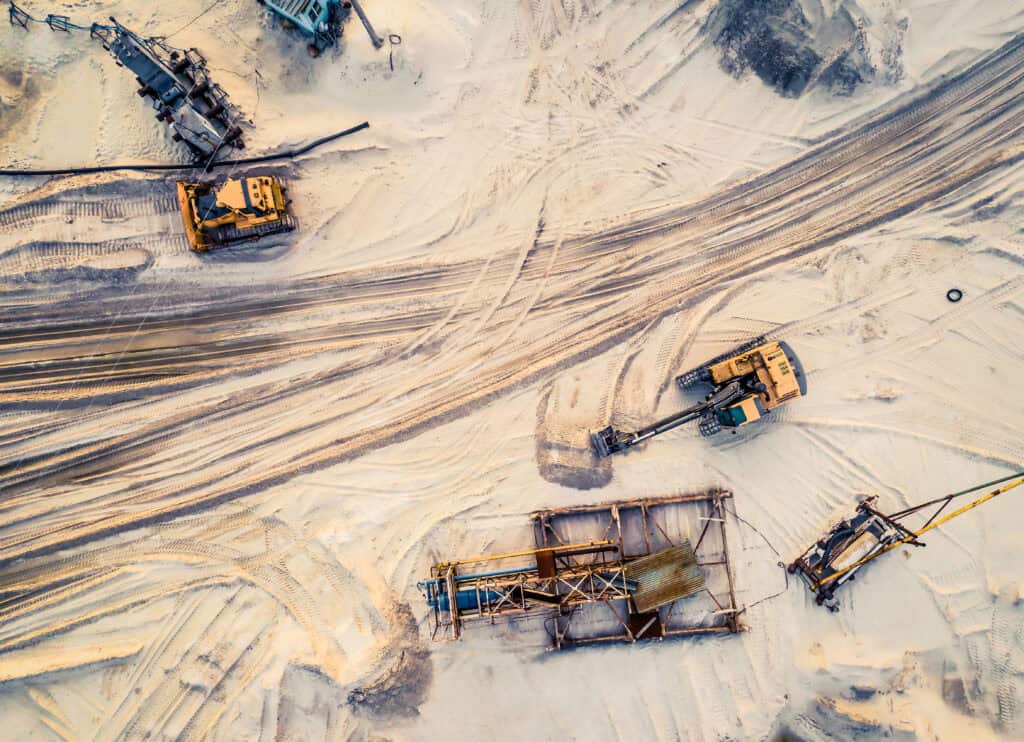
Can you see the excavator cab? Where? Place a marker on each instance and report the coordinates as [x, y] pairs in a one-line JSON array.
[[240, 209], [770, 369], [749, 410]]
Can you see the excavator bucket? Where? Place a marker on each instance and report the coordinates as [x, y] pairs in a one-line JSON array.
[[604, 441]]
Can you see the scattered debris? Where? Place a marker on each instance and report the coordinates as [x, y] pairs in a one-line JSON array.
[[747, 383], [838, 555]]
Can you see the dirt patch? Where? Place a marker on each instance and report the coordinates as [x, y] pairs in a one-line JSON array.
[[18, 94], [308, 704], [58, 262], [563, 449], [401, 684], [13, 77], [827, 719], [775, 40]]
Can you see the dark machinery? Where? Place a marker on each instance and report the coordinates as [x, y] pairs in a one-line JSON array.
[[179, 85], [746, 384], [176, 80], [318, 20], [838, 556], [621, 571]]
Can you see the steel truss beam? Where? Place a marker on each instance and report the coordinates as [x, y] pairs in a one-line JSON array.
[[564, 577]]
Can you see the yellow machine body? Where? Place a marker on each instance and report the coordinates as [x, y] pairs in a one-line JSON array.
[[772, 367], [239, 209]]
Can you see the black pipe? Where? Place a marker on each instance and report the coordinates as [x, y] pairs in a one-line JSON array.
[[287, 155]]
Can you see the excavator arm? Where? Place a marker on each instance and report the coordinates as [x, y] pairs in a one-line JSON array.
[[609, 440]]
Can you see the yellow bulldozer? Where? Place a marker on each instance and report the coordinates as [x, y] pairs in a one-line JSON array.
[[746, 383], [238, 210]]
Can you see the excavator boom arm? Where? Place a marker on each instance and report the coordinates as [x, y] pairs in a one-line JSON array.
[[914, 535], [609, 440]]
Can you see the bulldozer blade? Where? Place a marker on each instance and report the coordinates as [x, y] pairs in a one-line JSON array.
[[196, 239]]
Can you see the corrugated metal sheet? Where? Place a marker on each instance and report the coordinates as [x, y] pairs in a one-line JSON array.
[[664, 577]]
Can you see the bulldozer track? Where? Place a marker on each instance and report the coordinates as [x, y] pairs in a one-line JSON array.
[[23, 216], [34, 261], [231, 234], [48, 326]]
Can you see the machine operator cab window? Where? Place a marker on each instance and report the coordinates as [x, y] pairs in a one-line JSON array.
[[741, 413]]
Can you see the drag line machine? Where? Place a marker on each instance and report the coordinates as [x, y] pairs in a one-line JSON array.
[[837, 557]]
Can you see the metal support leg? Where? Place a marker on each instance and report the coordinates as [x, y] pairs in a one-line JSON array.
[[19, 16], [374, 38], [719, 510]]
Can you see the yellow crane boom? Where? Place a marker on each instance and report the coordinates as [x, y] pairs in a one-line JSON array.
[[913, 535]]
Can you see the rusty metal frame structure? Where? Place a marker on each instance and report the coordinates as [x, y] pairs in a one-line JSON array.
[[566, 576], [654, 625]]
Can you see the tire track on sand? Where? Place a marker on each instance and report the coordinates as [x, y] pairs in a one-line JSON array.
[[639, 272]]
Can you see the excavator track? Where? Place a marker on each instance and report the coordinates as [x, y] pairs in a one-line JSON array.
[[709, 426], [232, 235], [702, 374]]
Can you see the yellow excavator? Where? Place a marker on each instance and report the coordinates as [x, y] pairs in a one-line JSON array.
[[238, 210], [746, 384]]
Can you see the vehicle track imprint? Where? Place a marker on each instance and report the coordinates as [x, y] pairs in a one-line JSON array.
[[594, 291], [24, 216]]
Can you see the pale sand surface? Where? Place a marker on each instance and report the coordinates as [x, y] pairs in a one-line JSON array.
[[223, 475]]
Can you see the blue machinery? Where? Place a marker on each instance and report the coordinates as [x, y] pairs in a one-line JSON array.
[[630, 565], [320, 20]]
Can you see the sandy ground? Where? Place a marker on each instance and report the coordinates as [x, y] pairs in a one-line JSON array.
[[222, 475]]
